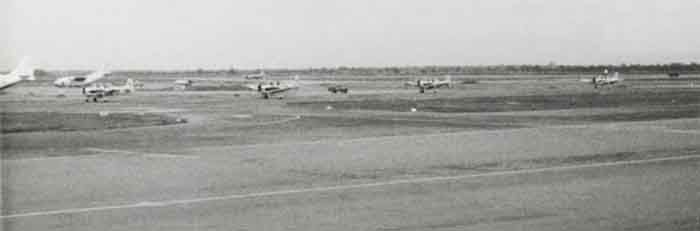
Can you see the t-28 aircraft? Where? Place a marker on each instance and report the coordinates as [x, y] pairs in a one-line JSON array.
[[272, 88], [431, 83], [98, 91], [604, 79]]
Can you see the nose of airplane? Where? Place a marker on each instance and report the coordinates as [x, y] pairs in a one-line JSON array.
[[59, 82]]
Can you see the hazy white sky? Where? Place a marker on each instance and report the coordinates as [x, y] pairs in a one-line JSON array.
[[177, 34]]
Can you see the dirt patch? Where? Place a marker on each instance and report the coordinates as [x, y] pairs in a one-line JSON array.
[[18, 122]]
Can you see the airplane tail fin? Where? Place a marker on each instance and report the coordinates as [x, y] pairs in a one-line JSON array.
[[617, 76], [24, 70], [295, 83], [130, 85], [103, 71]]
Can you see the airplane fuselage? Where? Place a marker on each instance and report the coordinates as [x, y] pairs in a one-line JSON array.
[[73, 81], [432, 84], [258, 76], [271, 89], [98, 91], [253, 77], [604, 80], [80, 81]]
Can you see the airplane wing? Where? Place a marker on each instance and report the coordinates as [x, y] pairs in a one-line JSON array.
[[253, 87], [95, 76], [279, 90]]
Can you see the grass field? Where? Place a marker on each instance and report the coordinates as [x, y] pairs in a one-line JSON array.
[[618, 98], [16, 122]]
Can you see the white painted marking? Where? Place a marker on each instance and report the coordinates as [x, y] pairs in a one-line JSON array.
[[277, 121], [162, 155], [340, 187], [681, 131], [145, 154], [53, 158], [242, 116]]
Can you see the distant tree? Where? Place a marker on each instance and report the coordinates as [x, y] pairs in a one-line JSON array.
[[41, 72]]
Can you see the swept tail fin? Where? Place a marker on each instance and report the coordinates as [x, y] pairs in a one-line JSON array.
[[24, 70]]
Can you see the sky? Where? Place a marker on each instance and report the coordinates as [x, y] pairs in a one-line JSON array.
[[188, 34]]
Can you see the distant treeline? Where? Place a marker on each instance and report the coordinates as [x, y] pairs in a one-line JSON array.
[[692, 68], [678, 68]]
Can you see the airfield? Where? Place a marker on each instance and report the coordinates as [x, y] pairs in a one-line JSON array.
[[491, 153]]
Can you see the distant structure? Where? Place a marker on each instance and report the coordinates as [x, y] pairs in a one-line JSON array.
[[674, 75], [260, 75], [182, 84]]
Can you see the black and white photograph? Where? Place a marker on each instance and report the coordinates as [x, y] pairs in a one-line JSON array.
[[340, 115]]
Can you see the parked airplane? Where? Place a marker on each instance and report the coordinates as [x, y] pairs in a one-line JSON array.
[[81, 81], [431, 84], [22, 72], [98, 91], [260, 75], [604, 79], [183, 84], [270, 89]]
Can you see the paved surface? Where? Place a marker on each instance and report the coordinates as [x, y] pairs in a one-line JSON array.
[[349, 185], [252, 165], [659, 195]]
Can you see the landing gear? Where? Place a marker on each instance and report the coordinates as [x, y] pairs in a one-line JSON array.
[[93, 99]]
